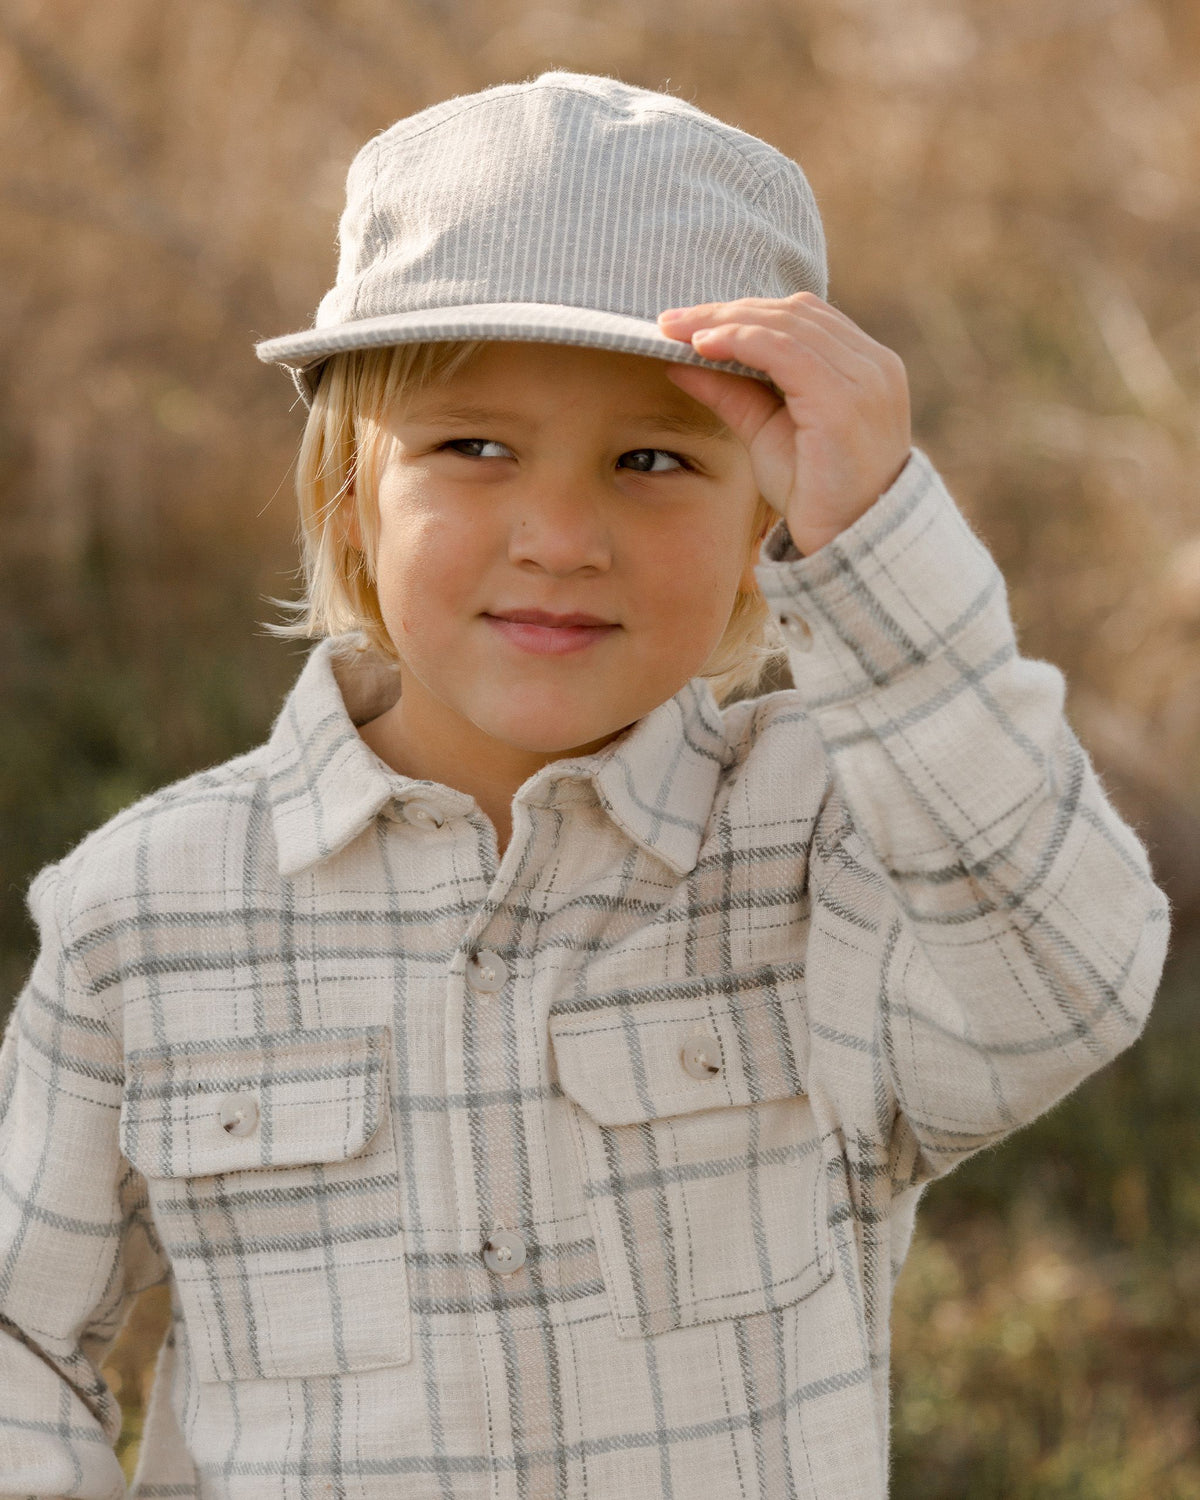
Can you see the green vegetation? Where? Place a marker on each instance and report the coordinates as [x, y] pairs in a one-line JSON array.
[[1047, 1323]]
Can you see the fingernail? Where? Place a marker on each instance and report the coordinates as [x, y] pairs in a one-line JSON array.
[[672, 312]]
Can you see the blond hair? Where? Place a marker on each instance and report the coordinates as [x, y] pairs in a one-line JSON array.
[[341, 456]]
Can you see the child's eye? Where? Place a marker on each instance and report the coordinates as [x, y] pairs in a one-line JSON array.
[[643, 460], [476, 443], [652, 454]]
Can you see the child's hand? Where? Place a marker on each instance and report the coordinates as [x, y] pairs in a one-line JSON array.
[[840, 438]]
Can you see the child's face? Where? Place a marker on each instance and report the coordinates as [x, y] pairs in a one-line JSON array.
[[557, 481]]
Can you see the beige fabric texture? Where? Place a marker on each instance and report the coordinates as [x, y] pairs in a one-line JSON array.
[[299, 1044]]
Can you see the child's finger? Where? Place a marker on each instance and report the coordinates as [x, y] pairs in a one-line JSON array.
[[802, 364], [804, 315], [796, 300], [753, 414], [742, 403], [676, 320], [845, 348]]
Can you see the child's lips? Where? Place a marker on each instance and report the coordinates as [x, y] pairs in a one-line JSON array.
[[542, 634]]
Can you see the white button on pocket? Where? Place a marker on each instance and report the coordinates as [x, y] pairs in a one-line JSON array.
[[487, 972], [239, 1114], [701, 1056], [422, 813], [797, 632], [504, 1252]]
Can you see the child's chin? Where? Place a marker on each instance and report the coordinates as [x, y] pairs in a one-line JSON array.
[[556, 735]]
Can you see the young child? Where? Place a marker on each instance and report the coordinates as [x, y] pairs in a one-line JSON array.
[[523, 1068]]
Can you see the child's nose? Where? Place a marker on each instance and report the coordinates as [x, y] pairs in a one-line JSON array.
[[560, 526]]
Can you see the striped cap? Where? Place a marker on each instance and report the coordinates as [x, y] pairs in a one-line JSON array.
[[567, 209]]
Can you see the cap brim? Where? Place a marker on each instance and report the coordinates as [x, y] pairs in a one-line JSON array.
[[537, 322]]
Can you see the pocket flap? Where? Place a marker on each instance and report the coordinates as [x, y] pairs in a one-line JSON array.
[[620, 1055], [290, 1099]]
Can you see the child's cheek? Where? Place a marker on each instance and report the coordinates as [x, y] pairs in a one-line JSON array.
[[693, 610]]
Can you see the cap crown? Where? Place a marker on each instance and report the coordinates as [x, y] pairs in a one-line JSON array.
[[575, 190]]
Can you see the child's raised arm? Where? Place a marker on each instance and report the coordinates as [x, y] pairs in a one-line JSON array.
[[983, 925], [75, 1236]]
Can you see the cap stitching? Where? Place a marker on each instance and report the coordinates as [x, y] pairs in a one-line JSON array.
[[358, 288], [740, 148]]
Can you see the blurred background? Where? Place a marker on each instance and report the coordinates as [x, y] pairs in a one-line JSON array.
[[1012, 195]]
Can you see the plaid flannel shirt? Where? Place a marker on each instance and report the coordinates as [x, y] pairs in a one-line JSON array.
[[584, 1172]]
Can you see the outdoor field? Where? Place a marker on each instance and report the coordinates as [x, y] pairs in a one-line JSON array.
[[1011, 190]]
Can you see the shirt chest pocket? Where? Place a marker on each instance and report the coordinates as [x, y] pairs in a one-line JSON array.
[[273, 1184], [700, 1157]]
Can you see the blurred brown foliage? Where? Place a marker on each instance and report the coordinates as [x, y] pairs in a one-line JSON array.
[[1011, 193]]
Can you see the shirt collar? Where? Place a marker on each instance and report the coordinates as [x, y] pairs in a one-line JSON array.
[[656, 781]]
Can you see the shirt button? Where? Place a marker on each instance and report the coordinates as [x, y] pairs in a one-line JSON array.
[[239, 1114], [487, 972], [701, 1056], [797, 632], [422, 813], [504, 1252]]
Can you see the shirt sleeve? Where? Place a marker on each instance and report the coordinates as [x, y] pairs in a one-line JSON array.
[[76, 1240], [985, 928]]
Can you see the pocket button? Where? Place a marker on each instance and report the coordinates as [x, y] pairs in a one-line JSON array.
[[701, 1056], [239, 1114], [504, 1252]]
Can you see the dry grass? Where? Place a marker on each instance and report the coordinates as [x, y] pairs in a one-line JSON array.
[[1011, 194]]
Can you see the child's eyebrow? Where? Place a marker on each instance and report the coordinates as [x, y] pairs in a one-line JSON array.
[[702, 424]]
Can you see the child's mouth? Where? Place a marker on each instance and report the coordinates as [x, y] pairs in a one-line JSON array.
[[542, 634]]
